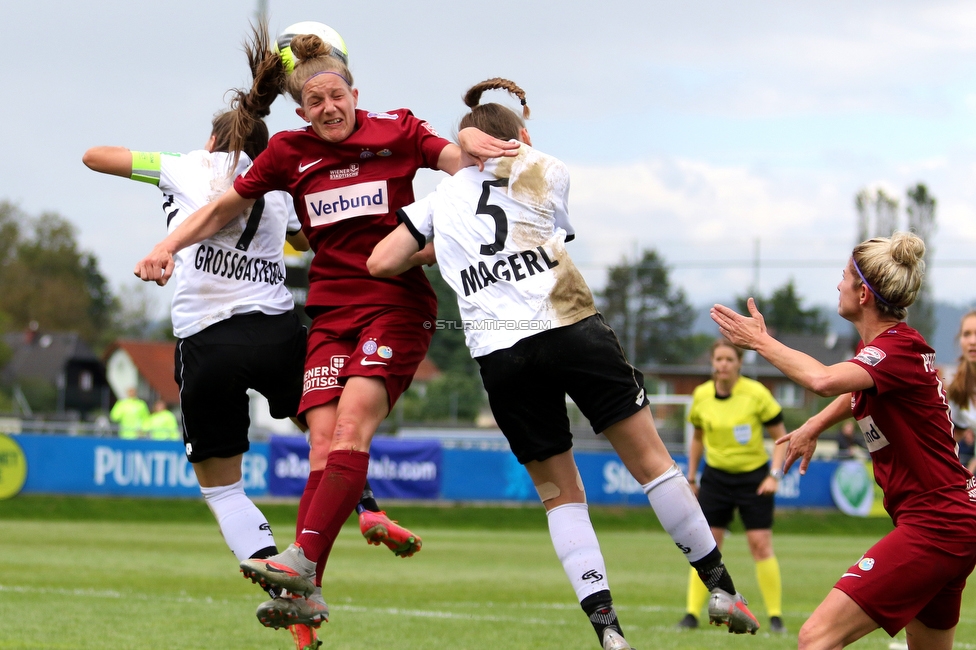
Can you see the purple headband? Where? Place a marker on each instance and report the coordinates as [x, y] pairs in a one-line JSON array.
[[868, 285], [348, 83]]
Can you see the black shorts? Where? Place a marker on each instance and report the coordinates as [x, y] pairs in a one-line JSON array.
[[216, 367], [527, 386], [720, 493]]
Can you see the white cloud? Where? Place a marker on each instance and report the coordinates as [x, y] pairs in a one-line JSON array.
[[708, 220]]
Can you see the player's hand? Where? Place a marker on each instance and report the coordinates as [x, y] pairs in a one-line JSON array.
[[802, 443], [768, 486], [479, 146], [743, 331], [156, 267]]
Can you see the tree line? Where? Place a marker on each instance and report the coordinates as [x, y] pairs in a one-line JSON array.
[[46, 279]]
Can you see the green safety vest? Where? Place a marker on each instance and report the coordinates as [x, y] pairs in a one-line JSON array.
[[130, 413], [162, 426]]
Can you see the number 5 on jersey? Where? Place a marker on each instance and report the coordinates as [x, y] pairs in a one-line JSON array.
[[497, 214]]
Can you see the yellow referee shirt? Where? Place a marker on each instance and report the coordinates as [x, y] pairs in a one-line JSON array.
[[732, 427]]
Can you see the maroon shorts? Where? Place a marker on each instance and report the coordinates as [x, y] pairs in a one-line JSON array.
[[911, 573], [357, 341]]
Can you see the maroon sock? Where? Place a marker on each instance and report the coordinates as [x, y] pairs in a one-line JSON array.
[[314, 478], [337, 495]]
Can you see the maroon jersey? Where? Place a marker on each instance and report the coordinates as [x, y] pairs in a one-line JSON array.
[[905, 422], [346, 195]]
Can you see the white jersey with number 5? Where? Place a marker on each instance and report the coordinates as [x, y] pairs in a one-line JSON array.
[[500, 240], [241, 268]]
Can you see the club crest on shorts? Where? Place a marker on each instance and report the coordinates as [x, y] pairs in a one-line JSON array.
[[385, 351], [866, 564], [369, 347]]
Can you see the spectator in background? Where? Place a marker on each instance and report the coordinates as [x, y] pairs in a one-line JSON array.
[[846, 440], [962, 391], [161, 423], [729, 413], [129, 413]]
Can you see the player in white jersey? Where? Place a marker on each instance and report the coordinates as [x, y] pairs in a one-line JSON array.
[[232, 314], [531, 324]]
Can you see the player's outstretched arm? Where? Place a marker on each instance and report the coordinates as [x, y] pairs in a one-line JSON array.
[[158, 265], [395, 253], [109, 160], [750, 332]]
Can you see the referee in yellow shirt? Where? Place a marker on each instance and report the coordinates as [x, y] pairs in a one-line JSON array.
[[729, 414]]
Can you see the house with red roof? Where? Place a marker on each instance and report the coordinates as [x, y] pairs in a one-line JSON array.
[[147, 366]]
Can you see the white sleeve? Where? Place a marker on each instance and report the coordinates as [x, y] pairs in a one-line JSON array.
[[961, 417], [419, 218], [294, 223], [172, 172], [560, 199]]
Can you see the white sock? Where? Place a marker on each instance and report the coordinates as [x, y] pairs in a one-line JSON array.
[[577, 548], [244, 527], [678, 511]]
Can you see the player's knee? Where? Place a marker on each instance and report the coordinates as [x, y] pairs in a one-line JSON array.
[[552, 494], [320, 441], [810, 637], [318, 457], [350, 433]]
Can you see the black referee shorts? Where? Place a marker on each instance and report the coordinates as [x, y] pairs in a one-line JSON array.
[[720, 493], [527, 386], [216, 367]]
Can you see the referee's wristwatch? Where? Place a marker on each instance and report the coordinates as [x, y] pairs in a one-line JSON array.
[[777, 474]]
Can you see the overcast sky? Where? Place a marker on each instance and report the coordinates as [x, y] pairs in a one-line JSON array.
[[707, 130]]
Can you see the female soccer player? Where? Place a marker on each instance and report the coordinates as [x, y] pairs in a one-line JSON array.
[[962, 391], [729, 413], [348, 171], [913, 578], [500, 236], [231, 311]]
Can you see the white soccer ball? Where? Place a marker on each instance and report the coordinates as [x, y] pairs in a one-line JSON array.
[[323, 31]]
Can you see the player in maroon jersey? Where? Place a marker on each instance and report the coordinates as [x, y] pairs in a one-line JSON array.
[[349, 172], [913, 578]]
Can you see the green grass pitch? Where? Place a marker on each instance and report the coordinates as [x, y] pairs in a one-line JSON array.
[[119, 574]]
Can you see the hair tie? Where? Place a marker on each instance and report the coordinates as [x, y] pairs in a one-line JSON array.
[[325, 72], [523, 101], [876, 294]]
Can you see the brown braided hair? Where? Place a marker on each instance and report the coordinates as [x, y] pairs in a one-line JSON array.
[[494, 119], [242, 128], [312, 56]]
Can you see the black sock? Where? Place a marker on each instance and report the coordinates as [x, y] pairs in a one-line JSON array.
[[268, 551], [366, 501], [713, 573], [598, 607]]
